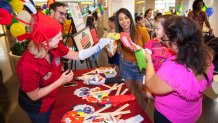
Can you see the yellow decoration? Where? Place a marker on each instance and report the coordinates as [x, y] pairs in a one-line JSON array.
[[17, 5], [81, 114], [17, 29], [114, 36], [67, 24]]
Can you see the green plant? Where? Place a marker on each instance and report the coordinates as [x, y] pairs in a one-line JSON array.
[[19, 48]]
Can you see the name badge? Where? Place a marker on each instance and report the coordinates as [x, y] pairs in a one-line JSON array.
[[47, 75]]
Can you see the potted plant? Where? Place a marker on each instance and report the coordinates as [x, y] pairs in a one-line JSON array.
[[17, 51]]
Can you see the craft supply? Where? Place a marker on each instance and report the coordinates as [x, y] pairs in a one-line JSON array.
[[142, 64], [114, 36], [122, 107], [98, 111], [118, 90], [82, 92], [102, 115], [136, 119], [124, 91]]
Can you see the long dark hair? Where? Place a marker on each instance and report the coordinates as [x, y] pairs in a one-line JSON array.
[[192, 51], [90, 21], [146, 12], [195, 4], [132, 26]]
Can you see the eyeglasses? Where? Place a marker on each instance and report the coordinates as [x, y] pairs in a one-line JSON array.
[[62, 13], [164, 40]]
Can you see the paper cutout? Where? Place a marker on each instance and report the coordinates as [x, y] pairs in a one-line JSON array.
[[142, 64]]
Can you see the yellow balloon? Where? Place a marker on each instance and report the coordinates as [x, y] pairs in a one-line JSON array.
[[16, 5], [17, 29]]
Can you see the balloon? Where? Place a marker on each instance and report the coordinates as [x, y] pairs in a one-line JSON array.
[[24, 15], [47, 11], [209, 11], [9, 1], [204, 8], [13, 21], [17, 5], [17, 29], [102, 12], [100, 8], [30, 7], [99, 4], [99, 11], [5, 17], [6, 5], [44, 6], [208, 2]]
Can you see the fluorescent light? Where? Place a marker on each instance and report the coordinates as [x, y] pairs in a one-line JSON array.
[[140, 2]]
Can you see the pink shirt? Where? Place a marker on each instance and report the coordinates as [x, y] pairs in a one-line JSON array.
[[184, 104], [159, 52]]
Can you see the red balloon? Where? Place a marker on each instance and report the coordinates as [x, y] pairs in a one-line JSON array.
[[5, 17]]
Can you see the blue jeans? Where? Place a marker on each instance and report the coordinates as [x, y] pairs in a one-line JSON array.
[[130, 71], [40, 117]]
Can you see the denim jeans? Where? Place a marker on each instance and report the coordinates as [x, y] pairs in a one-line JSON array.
[[130, 71], [40, 117]]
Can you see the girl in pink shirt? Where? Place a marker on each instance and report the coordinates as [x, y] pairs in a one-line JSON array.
[[179, 83], [159, 51]]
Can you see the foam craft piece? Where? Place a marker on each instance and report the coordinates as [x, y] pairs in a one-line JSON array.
[[83, 110], [114, 36], [119, 99], [142, 64], [95, 80], [127, 42], [71, 117]]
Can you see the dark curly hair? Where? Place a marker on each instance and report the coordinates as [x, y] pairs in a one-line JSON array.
[[195, 4], [192, 51]]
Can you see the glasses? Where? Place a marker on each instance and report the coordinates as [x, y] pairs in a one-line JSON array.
[[164, 40], [62, 13]]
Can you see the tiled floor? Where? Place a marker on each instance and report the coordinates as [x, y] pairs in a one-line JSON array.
[[10, 111]]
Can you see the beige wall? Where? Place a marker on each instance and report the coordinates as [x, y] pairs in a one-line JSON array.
[[213, 18]]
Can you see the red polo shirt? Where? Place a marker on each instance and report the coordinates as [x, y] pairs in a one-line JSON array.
[[36, 73]]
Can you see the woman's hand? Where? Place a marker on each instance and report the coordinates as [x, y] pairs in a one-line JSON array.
[[147, 55], [66, 76]]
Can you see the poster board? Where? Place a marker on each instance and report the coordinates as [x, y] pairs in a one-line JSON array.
[[77, 16], [83, 39]]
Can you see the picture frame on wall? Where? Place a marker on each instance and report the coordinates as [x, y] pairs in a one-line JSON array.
[[76, 16], [83, 39]]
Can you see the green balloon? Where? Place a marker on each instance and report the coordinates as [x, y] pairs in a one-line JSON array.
[[47, 11], [9, 1], [13, 21], [100, 8]]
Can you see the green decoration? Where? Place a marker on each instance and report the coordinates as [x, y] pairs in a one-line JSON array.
[[13, 21], [47, 11], [100, 8], [9, 1], [140, 59]]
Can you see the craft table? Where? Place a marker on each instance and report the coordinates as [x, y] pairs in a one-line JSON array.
[[66, 100]]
